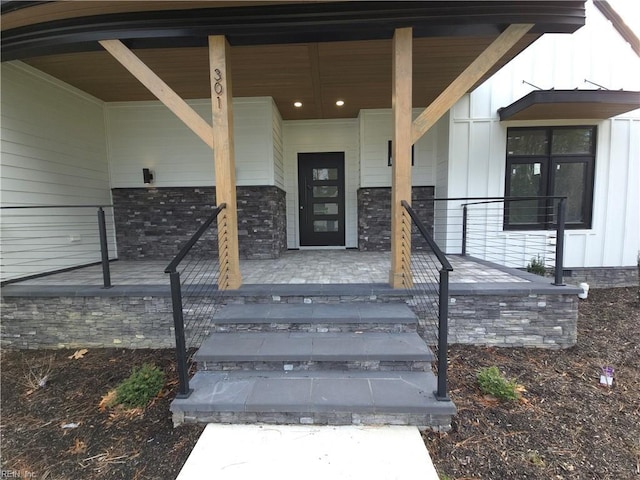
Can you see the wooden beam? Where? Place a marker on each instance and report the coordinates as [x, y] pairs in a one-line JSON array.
[[474, 72], [222, 108], [400, 275], [160, 89]]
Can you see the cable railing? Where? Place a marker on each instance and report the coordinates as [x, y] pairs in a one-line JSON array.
[[429, 286], [516, 232], [194, 275], [43, 239]]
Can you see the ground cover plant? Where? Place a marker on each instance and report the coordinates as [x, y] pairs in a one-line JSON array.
[[57, 421]]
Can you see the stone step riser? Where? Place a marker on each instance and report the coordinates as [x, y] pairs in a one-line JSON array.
[[315, 327], [315, 300], [423, 421], [296, 366]]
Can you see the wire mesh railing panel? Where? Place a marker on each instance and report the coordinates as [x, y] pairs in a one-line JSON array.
[[199, 275], [425, 290], [194, 274], [429, 286]]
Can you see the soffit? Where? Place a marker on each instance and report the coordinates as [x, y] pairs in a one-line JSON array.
[[316, 74]]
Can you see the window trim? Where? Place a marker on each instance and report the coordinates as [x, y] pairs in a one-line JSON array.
[[548, 162]]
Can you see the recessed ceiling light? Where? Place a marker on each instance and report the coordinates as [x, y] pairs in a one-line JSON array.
[[297, 104], [340, 103]]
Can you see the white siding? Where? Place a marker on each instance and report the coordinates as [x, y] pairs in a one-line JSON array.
[[53, 153], [147, 134], [478, 139], [376, 129], [278, 147], [309, 136]]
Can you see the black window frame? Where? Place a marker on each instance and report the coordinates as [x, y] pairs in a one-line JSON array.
[[549, 161]]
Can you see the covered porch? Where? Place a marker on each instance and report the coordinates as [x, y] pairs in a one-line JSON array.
[[324, 337]]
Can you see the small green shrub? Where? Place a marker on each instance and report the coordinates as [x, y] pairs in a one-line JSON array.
[[537, 266], [141, 386], [493, 383]]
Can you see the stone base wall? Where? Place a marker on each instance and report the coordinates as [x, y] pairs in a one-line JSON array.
[[603, 277], [374, 216], [543, 321], [88, 322], [153, 223]]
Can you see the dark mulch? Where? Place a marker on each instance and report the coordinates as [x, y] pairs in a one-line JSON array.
[[107, 443], [567, 425]]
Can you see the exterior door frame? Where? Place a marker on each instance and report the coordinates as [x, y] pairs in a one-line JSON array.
[[308, 215]]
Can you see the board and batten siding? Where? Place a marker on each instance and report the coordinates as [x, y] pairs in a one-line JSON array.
[[477, 145], [376, 129], [53, 153], [314, 136], [147, 135]]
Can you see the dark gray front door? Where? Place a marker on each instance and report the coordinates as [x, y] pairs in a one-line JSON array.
[[321, 187]]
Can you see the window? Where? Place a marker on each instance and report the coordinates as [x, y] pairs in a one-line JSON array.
[[546, 162]]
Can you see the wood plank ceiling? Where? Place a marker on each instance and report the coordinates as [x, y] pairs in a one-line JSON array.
[[316, 74]]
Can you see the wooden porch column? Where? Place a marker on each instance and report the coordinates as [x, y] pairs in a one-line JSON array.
[[400, 275], [225, 170]]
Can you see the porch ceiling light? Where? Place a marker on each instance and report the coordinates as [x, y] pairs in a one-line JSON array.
[[147, 176], [297, 104], [340, 103]]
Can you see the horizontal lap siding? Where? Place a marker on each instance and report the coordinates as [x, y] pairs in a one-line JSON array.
[[148, 135], [53, 152]]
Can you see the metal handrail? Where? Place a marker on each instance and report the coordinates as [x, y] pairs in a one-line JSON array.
[[7, 207], [502, 199], [102, 233], [441, 393], [429, 239], [176, 300], [171, 268]]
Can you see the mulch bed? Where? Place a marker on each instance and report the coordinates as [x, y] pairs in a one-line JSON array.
[[566, 426]]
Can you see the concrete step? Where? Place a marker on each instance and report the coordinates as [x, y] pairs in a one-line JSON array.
[[292, 351], [321, 318], [319, 398]]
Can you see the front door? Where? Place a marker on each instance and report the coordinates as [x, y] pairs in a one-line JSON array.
[[321, 187]]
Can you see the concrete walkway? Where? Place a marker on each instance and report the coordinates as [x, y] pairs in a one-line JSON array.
[[294, 452]]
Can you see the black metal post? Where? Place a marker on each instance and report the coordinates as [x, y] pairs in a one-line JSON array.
[[443, 341], [181, 348], [562, 214], [104, 249], [464, 230]]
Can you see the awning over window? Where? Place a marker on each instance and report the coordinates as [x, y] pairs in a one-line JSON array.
[[571, 104]]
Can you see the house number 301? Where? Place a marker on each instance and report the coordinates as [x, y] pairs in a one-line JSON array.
[[217, 86]]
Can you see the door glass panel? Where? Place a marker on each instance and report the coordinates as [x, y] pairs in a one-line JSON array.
[[325, 225], [527, 142], [325, 209], [572, 141], [569, 180], [525, 181], [325, 192], [325, 173]]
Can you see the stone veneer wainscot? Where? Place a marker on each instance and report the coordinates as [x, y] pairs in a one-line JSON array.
[[153, 223]]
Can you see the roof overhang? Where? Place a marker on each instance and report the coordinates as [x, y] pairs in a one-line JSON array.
[[260, 23], [315, 52], [571, 104]]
